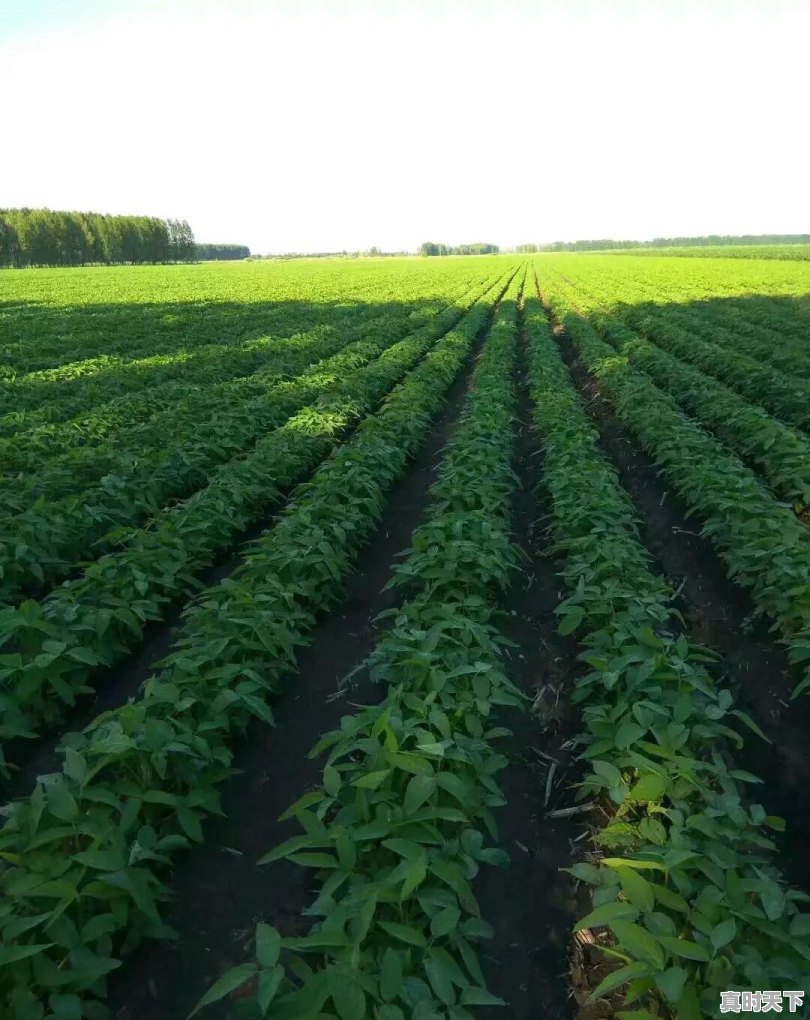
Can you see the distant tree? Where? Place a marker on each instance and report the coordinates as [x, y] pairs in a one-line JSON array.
[[605, 244], [8, 242], [221, 251], [44, 237], [430, 248], [181, 241], [93, 247], [42, 240], [187, 246]]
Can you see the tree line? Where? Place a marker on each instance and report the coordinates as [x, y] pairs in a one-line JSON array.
[[430, 248], [709, 240], [222, 252], [46, 237], [373, 252]]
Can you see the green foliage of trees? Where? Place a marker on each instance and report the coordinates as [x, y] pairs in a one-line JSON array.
[[221, 252], [431, 248], [44, 237], [710, 240]]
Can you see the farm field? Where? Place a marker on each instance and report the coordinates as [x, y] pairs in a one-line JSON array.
[[794, 252], [404, 638]]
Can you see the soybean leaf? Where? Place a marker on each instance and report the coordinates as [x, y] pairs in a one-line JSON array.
[[404, 932], [620, 977], [268, 945], [229, 982], [607, 913]]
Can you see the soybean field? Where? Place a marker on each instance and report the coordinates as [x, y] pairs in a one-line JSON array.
[[405, 638]]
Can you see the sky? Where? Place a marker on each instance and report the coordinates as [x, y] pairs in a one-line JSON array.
[[342, 124]]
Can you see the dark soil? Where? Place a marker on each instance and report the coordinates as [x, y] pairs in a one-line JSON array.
[[218, 892], [532, 904], [721, 616]]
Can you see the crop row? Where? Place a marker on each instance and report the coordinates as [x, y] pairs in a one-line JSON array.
[[772, 317], [736, 333], [109, 405], [47, 428], [78, 386], [780, 453], [42, 544], [200, 328], [214, 341], [62, 461], [785, 396], [73, 460], [84, 857], [766, 371], [792, 251], [763, 327], [54, 648], [722, 306], [684, 877], [102, 419], [25, 451], [397, 831], [666, 282], [765, 547], [57, 320]]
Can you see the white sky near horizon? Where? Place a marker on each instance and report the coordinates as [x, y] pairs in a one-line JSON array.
[[319, 126]]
